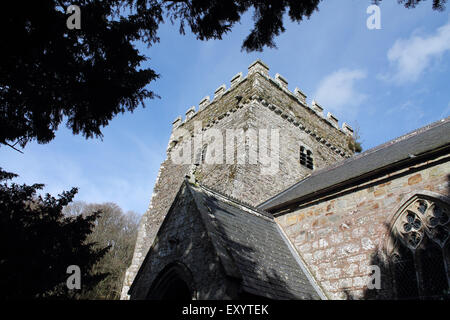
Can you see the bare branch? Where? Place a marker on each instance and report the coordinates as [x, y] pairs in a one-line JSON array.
[[12, 146]]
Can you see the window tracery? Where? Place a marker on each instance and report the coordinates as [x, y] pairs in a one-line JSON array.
[[420, 254]]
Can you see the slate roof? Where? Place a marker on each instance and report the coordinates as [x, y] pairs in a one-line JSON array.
[[253, 249], [432, 137]]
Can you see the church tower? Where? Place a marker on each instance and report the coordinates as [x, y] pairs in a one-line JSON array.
[[250, 141]]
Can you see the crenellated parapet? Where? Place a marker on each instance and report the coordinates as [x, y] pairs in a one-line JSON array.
[[300, 96], [333, 120], [236, 79], [317, 108], [347, 129], [203, 103], [305, 127], [190, 113], [220, 91], [281, 81], [176, 123], [258, 67]]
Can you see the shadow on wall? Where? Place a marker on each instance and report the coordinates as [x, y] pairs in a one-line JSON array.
[[415, 261], [174, 282], [240, 250]]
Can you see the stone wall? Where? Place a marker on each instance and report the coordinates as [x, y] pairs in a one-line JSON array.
[[340, 235], [168, 182], [183, 238]]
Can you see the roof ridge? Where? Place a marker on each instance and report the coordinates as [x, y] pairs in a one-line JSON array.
[[236, 200], [438, 127], [382, 146], [405, 136]]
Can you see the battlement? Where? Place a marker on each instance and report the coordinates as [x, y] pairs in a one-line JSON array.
[[261, 68]]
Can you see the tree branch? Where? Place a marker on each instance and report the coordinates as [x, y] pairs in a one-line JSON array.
[[12, 146]]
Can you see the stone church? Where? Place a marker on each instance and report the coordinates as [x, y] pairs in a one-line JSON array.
[[262, 196]]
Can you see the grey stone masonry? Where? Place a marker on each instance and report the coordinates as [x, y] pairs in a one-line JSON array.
[[254, 103], [183, 239], [227, 247]]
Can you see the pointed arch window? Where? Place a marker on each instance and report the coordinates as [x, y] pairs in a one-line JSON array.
[[174, 282], [420, 254]]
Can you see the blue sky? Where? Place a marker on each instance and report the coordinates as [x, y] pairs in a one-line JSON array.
[[385, 82]]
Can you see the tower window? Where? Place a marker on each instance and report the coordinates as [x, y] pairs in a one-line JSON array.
[[306, 158]]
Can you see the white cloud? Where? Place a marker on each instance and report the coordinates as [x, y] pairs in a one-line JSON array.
[[337, 92], [409, 110], [411, 57]]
